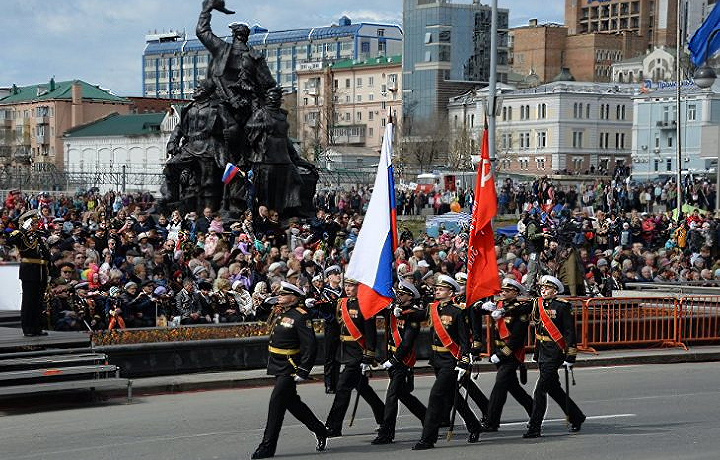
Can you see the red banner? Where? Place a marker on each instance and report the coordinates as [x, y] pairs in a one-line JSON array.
[[482, 270]]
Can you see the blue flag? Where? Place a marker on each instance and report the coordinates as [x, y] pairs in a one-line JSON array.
[[700, 49]]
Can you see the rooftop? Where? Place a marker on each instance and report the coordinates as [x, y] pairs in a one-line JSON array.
[[120, 125], [372, 62], [61, 90]]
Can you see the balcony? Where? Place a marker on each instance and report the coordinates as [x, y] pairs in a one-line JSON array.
[[42, 120], [663, 125], [6, 122], [42, 139], [349, 135]]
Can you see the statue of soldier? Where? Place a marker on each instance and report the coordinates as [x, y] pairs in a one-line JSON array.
[[198, 150]]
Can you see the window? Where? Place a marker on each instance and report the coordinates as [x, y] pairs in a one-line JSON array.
[[622, 140], [691, 112], [577, 139], [670, 141], [371, 82], [444, 36], [525, 140], [347, 83], [509, 114], [358, 82], [347, 116], [656, 165], [358, 116], [370, 115], [381, 32], [370, 131], [668, 165], [542, 111], [617, 141], [541, 139], [587, 111], [365, 47], [428, 38], [575, 110], [444, 53], [428, 56], [371, 97], [358, 97], [383, 122]]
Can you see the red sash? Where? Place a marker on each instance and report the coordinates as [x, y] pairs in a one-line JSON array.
[[504, 333], [442, 334], [349, 324], [410, 359], [550, 327]]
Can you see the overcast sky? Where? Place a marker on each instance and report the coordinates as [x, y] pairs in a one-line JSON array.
[[101, 41]]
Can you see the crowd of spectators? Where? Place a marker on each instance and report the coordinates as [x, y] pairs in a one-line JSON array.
[[118, 263]]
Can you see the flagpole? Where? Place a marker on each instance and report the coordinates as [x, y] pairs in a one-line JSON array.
[[678, 118], [493, 82]]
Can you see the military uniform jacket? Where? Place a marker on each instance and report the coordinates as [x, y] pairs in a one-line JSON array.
[[30, 245], [560, 313], [408, 325], [292, 347], [455, 321], [516, 319], [328, 302], [351, 352]]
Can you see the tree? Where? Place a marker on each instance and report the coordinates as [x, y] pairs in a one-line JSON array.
[[462, 147]]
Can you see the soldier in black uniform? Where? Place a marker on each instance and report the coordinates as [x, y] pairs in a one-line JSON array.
[[292, 350], [326, 309], [402, 323], [550, 315], [451, 361], [357, 354], [34, 260], [510, 328], [478, 344], [535, 241]]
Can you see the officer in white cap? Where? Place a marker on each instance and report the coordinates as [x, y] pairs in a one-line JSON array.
[[326, 309], [511, 318], [451, 361], [33, 273], [291, 354], [555, 347], [403, 317]]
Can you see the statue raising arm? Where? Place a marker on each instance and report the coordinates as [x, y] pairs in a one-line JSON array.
[[204, 32]]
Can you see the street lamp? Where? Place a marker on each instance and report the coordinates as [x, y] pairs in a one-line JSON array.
[[704, 78]]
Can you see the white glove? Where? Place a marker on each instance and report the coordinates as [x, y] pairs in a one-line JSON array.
[[297, 378], [488, 306], [568, 365], [495, 359], [397, 311], [310, 303], [497, 314], [461, 372], [387, 364], [365, 368]]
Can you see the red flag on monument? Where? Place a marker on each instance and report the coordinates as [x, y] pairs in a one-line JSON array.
[[482, 270]]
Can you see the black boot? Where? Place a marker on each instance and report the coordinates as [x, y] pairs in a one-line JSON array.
[[575, 426], [321, 441], [474, 437], [423, 445], [262, 453], [532, 433], [381, 439]]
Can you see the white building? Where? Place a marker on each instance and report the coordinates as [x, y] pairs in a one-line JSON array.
[[654, 146], [657, 65], [124, 145], [561, 126]]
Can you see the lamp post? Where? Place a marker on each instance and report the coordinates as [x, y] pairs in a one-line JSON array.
[[704, 78]]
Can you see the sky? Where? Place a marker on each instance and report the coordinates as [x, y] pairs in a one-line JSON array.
[[102, 41]]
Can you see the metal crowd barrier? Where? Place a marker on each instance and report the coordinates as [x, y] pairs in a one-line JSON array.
[[699, 319]]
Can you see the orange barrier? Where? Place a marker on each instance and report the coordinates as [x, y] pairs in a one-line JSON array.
[[630, 321], [699, 319]]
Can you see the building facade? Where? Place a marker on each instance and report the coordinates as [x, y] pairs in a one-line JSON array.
[[656, 66], [343, 108], [446, 52], [654, 145], [34, 118], [123, 145], [173, 65], [571, 127]]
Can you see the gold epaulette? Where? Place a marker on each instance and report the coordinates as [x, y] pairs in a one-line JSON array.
[[301, 310], [14, 232]]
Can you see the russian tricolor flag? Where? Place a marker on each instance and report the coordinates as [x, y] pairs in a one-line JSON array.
[[372, 259], [230, 172]]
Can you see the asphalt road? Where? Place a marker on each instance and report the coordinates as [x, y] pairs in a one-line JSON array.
[[634, 412]]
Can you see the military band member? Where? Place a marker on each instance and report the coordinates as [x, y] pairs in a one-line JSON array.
[[33, 274], [450, 360], [292, 350], [358, 339], [554, 347], [403, 322], [509, 332]]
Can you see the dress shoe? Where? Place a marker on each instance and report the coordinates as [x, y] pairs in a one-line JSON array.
[[381, 440], [422, 445], [261, 453], [329, 391], [486, 427], [321, 443], [531, 433], [334, 433], [575, 427], [474, 437]]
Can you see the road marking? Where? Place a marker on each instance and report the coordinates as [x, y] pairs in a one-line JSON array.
[[589, 417]]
